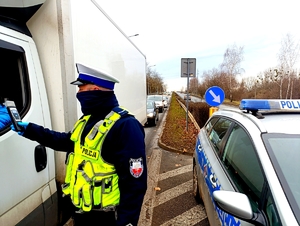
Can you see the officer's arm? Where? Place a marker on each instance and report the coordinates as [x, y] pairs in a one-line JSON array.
[[132, 179], [58, 141]]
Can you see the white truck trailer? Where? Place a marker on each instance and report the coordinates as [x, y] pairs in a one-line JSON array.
[[40, 42]]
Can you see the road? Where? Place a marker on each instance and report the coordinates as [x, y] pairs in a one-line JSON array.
[[193, 98], [169, 199]]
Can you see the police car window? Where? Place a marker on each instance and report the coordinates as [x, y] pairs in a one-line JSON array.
[[210, 124], [271, 212], [218, 132], [14, 82], [240, 160]]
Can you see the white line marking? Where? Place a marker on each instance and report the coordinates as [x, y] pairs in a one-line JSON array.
[[173, 193], [175, 172], [188, 218]]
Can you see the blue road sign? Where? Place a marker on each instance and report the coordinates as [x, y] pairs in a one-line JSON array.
[[214, 96]]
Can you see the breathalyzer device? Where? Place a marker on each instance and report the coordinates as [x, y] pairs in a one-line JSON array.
[[14, 114]]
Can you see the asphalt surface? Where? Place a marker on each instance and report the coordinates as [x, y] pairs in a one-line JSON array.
[[169, 199]]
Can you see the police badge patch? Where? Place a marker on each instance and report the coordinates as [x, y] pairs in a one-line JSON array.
[[136, 167]]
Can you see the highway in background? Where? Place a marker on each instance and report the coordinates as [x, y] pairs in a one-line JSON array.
[[198, 99]]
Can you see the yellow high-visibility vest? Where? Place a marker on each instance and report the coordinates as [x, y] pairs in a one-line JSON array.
[[91, 182]]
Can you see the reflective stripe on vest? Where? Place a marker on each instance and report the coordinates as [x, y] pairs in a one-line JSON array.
[[91, 182]]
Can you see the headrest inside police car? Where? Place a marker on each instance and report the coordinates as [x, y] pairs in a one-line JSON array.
[[91, 76]]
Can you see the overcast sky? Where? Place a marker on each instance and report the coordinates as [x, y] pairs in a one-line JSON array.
[[171, 29]]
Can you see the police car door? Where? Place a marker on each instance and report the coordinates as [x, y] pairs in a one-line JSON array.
[[213, 138], [237, 167]]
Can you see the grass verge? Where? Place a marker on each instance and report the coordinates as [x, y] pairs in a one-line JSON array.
[[176, 134]]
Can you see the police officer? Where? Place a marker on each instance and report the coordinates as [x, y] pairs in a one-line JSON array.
[[106, 173]]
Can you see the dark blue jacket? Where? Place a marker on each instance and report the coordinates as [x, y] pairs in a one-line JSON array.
[[124, 141]]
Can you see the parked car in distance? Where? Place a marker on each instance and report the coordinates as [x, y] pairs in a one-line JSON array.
[[165, 101], [158, 101], [186, 97], [248, 162], [152, 113]]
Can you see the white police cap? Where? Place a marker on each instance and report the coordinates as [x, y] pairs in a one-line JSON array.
[[91, 76]]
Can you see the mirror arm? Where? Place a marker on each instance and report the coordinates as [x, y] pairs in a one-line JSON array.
[[259, 219]]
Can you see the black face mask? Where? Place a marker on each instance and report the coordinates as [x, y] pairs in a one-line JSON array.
[[96, 100]]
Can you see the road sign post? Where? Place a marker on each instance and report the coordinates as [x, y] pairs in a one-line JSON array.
[[188, 69]]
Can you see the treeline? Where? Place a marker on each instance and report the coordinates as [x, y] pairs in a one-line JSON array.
[[278, 82], [287, 87], [154, 81]]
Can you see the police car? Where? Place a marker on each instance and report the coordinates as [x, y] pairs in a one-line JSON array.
[[246, 164]]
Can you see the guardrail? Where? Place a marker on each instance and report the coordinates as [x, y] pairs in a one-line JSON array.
[[190, 116]]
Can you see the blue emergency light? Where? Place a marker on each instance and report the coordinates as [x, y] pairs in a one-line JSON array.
[[271, 104]]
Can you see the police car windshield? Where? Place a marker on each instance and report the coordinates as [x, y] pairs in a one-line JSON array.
[[284, 151]]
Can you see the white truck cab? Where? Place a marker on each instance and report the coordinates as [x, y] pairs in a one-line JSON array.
[[40, 42]]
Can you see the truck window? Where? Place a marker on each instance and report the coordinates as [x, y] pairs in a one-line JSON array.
[[14, 77]]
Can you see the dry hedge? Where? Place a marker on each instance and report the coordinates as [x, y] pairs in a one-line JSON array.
[[199, 110]]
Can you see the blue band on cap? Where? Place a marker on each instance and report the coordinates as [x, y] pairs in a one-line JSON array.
[[97, 81]]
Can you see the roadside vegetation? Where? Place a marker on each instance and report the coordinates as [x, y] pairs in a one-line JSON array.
[[176, 134]]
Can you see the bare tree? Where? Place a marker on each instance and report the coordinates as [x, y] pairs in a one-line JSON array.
[[269, 79], [215, 77], [154, 81], [288, 56], [232, 63], [249, 83], [194, 85]]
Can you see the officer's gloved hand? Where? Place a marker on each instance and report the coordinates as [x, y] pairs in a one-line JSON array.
[[22, 125], [4, 116]]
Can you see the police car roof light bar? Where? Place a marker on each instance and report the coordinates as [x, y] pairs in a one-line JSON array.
[[270, 104]]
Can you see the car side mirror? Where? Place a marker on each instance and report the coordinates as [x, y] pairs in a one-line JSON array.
[[238, 205]]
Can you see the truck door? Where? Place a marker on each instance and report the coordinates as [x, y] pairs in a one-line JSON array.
[[28, 189]]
